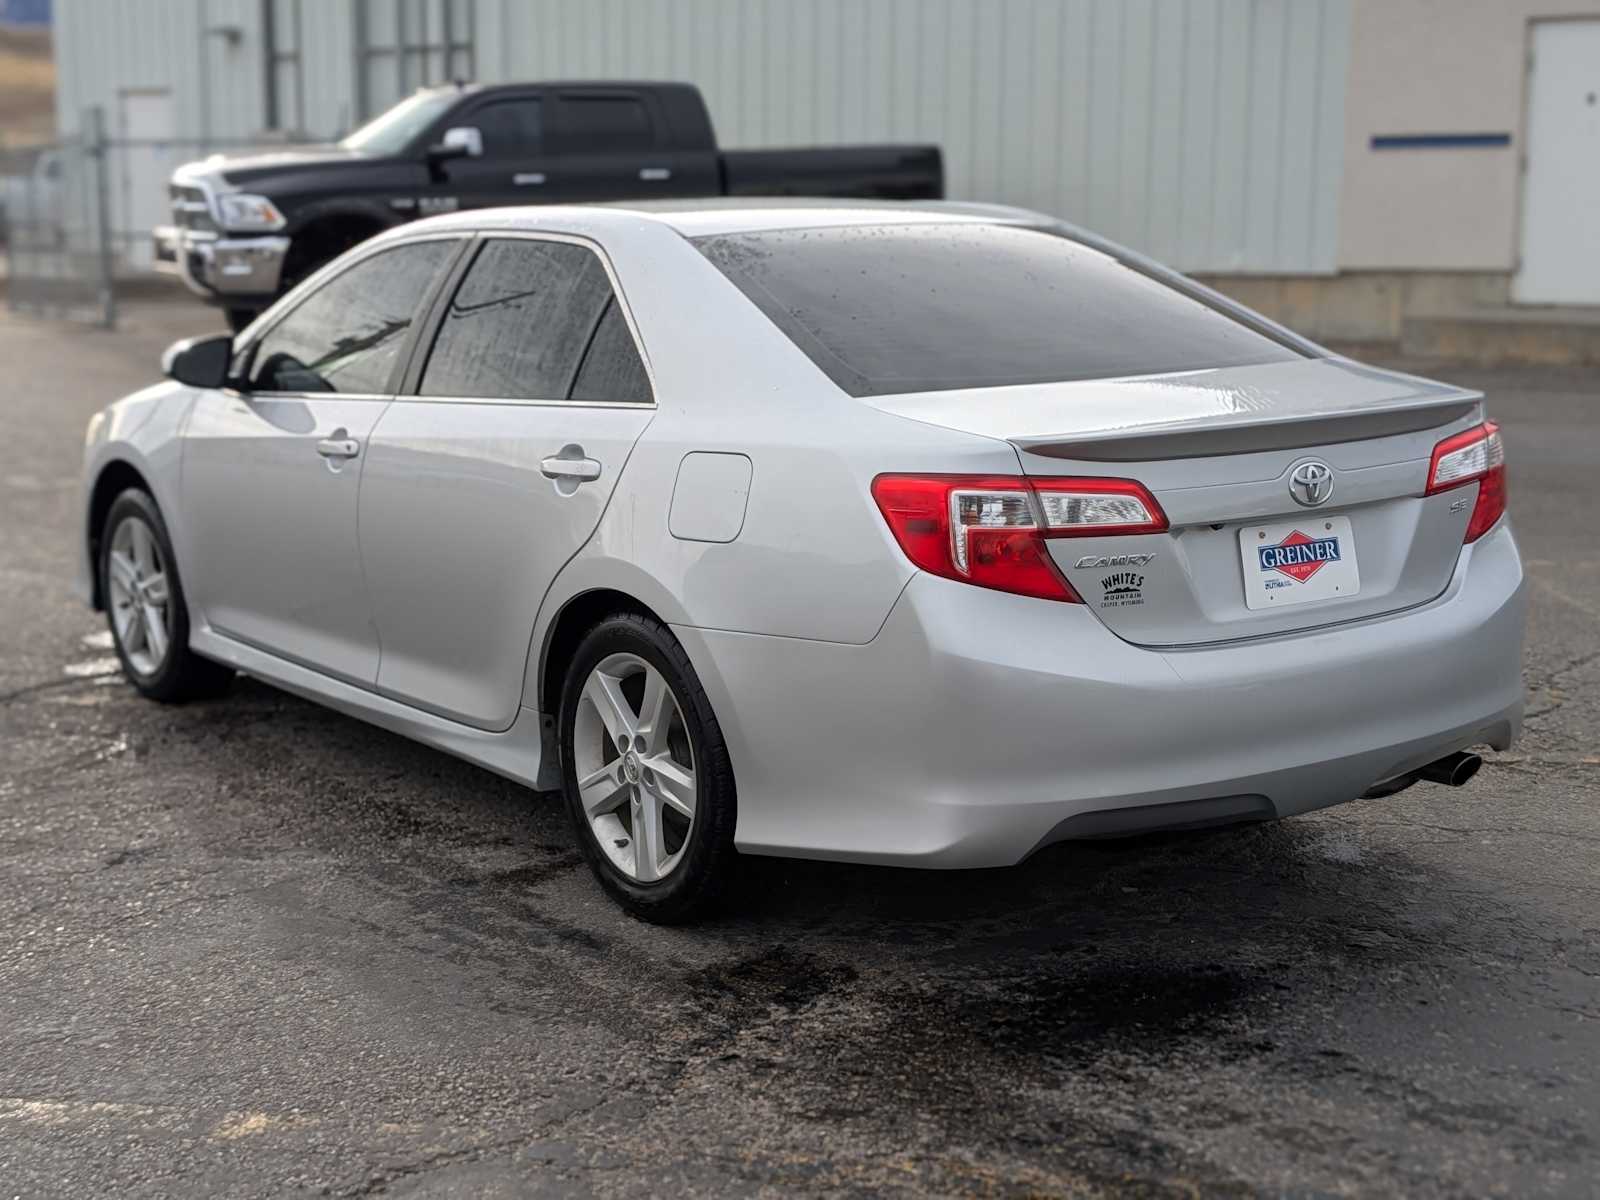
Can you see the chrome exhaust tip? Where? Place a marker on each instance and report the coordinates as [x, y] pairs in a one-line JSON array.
[[1453, 769]]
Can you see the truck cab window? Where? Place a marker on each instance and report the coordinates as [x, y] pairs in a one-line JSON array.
[[510, 128], [606, 124]]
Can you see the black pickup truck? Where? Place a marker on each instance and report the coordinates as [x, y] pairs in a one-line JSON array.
[[246, 228]]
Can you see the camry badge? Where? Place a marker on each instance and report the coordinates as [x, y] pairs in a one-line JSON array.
[[1113, 560], [1311, 482]]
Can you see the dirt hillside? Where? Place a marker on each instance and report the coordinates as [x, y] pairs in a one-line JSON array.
[[27, 86]]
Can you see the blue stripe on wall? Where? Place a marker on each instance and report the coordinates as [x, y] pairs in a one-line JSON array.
[[25, 12], [1438, 141]]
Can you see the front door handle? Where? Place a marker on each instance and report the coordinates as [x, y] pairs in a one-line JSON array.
[[655, 174], [528, 178], [338, 446], [581, 469]]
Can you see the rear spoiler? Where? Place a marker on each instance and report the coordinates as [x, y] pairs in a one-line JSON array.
[[1246, 436]]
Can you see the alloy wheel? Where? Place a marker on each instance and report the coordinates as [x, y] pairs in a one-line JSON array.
[[635, 769], [136, 576]]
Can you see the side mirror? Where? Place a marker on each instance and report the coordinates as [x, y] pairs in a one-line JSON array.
[[463, 141], [200, 362]]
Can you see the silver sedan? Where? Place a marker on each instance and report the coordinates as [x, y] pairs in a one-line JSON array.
[[920, 535]]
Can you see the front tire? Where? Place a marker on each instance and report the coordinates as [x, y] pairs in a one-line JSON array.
[[645, 771], [145, 606]]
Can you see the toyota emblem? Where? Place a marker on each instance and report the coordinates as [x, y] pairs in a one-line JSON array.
[[1311, 482]]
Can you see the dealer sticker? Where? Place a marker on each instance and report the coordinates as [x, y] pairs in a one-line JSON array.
[[1122, 589]]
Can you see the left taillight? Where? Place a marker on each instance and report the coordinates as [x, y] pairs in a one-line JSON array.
[[1475, 456], [990, 530]]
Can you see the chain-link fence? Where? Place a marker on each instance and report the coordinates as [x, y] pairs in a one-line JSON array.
[[56, 222], [76, 216]]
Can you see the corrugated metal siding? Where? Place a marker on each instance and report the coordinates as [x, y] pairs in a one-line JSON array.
[[1207, 132], [106, 49], [330, 58]]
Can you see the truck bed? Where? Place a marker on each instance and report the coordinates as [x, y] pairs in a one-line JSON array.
[[897, 172]]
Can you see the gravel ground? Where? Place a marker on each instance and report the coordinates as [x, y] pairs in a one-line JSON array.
[[254, 947]]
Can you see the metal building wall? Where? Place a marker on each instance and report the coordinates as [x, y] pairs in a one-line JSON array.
[[1207, 132], [107, 48]]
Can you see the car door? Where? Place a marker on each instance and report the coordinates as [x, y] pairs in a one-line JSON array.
[[492, 468], [614, 144], [271, 469], [514, 167]]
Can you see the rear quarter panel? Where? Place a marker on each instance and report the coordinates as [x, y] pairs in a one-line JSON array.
[[813, 558]]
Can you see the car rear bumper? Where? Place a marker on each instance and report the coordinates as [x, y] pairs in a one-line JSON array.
[[978, 726], [233, 271]]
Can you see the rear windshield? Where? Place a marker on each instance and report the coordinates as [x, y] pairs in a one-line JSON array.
[[884, 309]]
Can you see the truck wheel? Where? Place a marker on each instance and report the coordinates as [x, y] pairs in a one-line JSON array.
[[319, 244]]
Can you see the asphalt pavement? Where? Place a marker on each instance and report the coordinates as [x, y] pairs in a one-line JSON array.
[[252, 947]]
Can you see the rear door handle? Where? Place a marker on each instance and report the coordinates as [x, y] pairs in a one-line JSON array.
[[528, 178], [581, 469], [338, 447], [655, 174]]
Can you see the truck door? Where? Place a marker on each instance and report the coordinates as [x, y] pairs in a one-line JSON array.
[[614, 144], [515, 166]]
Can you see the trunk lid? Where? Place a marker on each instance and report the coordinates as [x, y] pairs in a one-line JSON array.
[[1218, 450]]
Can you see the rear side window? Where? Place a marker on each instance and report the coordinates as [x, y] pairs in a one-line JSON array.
[[529, 321], [611, 370], [511, 127], [606, 124], [884, 309]]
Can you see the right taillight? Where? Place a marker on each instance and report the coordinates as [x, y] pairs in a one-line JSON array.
[[1476, 456]]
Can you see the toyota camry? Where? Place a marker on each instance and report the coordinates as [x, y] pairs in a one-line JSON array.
[[925, 535]]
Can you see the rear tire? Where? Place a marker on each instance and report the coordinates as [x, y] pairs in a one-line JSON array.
[[145, 606], [645, 771]]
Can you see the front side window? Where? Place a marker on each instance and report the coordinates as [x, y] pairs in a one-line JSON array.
[[535, 320], [347, 335], [885, 309], [510, 128]]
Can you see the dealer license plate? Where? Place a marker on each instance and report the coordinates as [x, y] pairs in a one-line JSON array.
[[1298, 561]]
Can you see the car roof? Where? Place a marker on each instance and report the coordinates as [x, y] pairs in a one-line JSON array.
[[725, 215], [698, 218]]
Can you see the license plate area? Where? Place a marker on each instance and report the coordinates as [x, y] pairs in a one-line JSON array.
[[1294, 562]]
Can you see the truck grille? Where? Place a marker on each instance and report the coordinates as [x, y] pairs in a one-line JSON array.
[[190, 209]]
